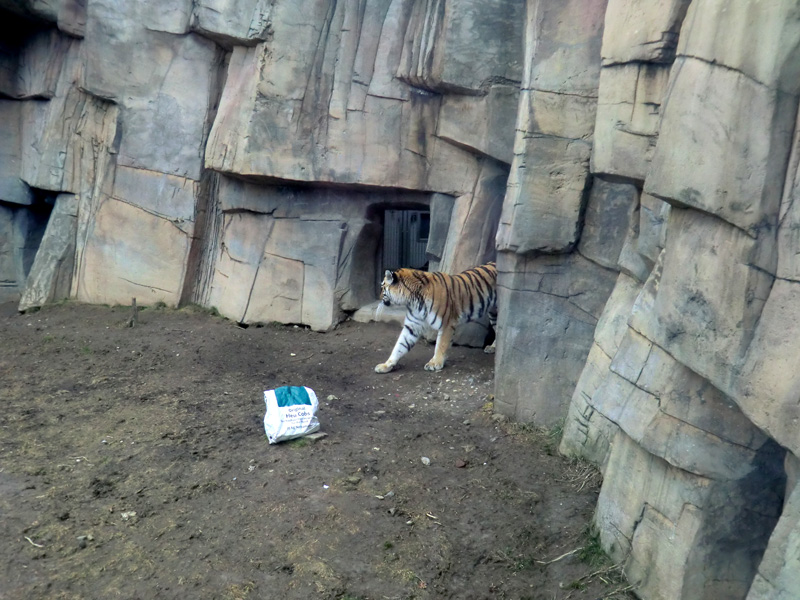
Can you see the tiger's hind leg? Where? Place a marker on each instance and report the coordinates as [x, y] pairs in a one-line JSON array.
[[492, 347], [408, 337], [443, 341]]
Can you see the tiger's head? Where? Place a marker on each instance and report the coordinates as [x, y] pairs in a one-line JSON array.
[[402, 287], [389, 279]]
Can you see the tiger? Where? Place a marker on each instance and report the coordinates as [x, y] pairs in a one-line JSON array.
[[438, 301]]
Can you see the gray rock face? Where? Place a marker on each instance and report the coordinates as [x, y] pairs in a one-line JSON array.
[[13, 189], [233, 22], [693, 392], [778, 576], [21, 230], [551, 306], [673, 527], [631, 165], [550, 172], [50, 277]]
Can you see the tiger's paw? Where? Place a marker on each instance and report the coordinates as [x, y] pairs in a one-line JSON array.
[[490, 349], [383, 368], [434, 366]]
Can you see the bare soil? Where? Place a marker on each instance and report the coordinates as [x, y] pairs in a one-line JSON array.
[[133, 464]]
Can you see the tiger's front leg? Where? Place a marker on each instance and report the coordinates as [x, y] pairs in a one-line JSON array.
[[443, 341], [408, 337]]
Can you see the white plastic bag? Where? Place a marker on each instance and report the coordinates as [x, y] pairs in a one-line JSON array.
[[291, 413]]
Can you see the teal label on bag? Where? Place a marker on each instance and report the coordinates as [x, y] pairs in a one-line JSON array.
[[292, 396]]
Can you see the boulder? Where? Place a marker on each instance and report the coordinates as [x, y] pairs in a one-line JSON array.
[[684, 309], [683, 535], [717, 82], [232, 22], [482, 124], [297, 254], [675, 414], [66, 141], [547, 188], [166, 94], [761, 40], [765, 382], [72, 17], [638, 31], [628, 118], [163, 195], [9, 271], [40, 62], [302, 248], [243, 236], [631, 261], [703, 100], [50, 277]]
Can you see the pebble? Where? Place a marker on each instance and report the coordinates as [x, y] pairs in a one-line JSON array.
[[426, 461], [460, 464]]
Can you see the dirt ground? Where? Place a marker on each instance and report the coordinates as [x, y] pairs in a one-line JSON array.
[[133, 464]]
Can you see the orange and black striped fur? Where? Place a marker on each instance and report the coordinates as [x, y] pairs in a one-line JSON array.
[[438, 301]]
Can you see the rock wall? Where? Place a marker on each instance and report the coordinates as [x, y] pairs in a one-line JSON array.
[[631, 165], [240, 154]]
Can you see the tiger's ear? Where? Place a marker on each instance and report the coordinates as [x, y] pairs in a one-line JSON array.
[[390, 276]]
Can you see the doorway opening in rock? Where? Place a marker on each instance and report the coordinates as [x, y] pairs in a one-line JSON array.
[[405, 239], [394, 235]]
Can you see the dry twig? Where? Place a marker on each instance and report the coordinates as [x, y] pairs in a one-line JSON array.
[[556, 559]]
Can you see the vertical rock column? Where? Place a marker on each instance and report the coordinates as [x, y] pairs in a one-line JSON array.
[[639, 46], [550, 296]]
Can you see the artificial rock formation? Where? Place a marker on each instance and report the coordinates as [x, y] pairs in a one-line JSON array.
[[632, 166], [687, 384]]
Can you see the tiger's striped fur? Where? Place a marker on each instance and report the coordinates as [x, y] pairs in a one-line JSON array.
[[438, 301]]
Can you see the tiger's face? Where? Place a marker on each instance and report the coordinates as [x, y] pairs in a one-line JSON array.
[[389, 278]]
